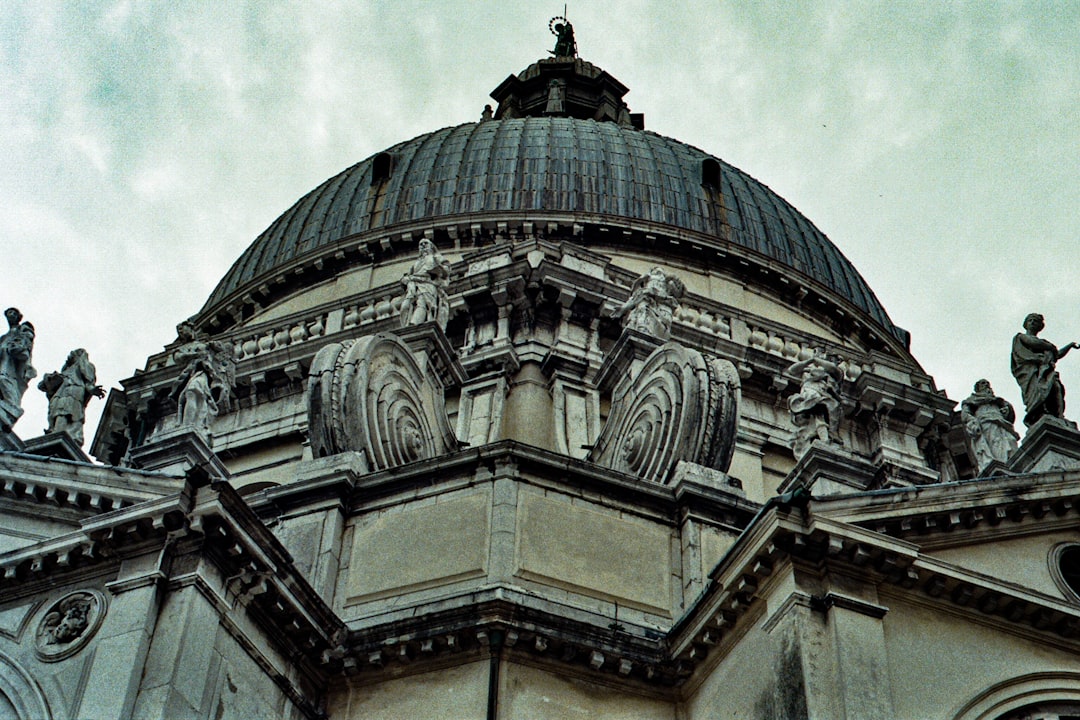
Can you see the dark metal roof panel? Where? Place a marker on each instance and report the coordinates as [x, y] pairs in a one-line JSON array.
[[560, 165]]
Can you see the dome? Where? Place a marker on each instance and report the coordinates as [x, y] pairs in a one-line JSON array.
[[551, 169]]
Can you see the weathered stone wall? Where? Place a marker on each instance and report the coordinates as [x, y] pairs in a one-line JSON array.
[[455, 692]]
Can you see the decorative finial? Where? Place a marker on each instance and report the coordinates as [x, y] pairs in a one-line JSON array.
[[565, 46]]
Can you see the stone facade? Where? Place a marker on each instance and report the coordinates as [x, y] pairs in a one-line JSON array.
[[511, 505]]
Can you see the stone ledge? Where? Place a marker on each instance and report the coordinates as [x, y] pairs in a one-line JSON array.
[[829, 470], [1050, 444]]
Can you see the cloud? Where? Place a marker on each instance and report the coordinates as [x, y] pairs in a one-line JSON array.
[[147, 144]]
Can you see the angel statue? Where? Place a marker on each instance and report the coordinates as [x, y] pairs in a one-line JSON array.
[[204, 387], [816, 409], [653, 299]]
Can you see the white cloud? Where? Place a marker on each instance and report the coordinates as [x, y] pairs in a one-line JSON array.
[[146, 145]]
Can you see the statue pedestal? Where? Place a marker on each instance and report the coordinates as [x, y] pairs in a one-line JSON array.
[[56, 445], [10, 442], [433, 351], [1050, 444], [688, 475], [625, 359], [829, 470], [177, 451]]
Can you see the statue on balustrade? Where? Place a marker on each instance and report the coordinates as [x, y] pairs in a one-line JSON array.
[[16, 372], [425, 288], [816, 408], [204, 387], [68, 392], [988, 421], [651, 306], [1034, 365]]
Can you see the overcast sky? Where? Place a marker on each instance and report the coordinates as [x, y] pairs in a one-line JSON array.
[[146, 144]]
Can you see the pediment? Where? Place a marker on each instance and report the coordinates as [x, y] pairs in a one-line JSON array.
[[1014, 529]]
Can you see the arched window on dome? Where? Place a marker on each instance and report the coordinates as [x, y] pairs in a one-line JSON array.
[[710, 173], [381, 167]]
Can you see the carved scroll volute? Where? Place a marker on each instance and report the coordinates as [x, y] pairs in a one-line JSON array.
[[680, 406], [371, 395]]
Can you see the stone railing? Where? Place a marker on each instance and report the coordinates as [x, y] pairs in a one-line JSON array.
[[793, 350], [705, 320], [371, 310], [288, 334]]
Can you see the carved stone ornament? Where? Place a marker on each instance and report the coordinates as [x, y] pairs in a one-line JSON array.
[[817, 407], [371, 395], [651, 306], [680, 406], [68, 625]]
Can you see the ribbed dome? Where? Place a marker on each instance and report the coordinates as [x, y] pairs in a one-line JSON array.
[[593, 171]]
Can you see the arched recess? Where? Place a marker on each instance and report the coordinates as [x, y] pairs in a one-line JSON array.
[[21, 692], [1058, 688]]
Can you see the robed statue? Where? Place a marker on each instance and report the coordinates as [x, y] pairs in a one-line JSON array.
[[988, 422], [425, 288], [1034, 365], [16, 372], [68, 392], [204, 387]]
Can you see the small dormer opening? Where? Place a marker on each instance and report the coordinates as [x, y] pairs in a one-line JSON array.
[[710, 173], [381, 167]]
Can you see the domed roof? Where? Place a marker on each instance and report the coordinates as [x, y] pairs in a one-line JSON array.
[[591, 171]]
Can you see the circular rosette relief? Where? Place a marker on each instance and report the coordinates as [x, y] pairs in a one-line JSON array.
[[371, 395], [679, 406], [68, 624]]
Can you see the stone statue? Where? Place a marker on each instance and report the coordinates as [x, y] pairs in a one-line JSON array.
[[16, 372], [816, 408], [565, 45], [69, 391], [988, 421], [425, 288], [556, 99], [204, 387], [1033, 365], [653, 299]]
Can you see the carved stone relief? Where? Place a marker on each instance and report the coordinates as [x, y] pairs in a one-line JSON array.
[[680, 406], [68, 624], [371, 395]]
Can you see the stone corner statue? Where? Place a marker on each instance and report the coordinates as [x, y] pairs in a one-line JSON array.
[[204, 387], [1034, 362], [425, 288], [816, 408], [653, 299], [988, 422], [69, 391], [16, 372]]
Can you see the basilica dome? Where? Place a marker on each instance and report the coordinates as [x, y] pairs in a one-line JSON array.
[[567, 168]]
